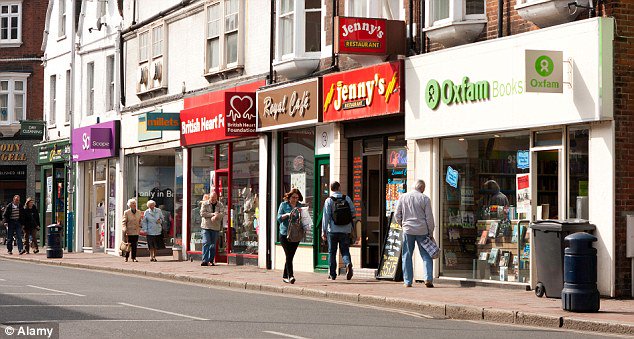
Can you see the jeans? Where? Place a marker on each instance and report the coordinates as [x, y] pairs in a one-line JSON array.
[[343, 241], [289, 249], [408, 250], [209, 245], [32, 233], [15, 229], [134, 241]]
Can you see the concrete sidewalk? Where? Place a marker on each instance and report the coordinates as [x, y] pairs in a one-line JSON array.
[[487, 304]]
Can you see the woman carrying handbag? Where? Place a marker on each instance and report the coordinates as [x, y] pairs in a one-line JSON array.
[[131, 226]]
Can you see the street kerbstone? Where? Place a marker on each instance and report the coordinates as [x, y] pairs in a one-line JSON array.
[[499, 316], [540, 320], [371, 300], [309, 292], [436, 310], [292, 290], [464, 312], [270, 288], [254, 286], [596, 326], [238, 284], [343, 296], [402, 304]]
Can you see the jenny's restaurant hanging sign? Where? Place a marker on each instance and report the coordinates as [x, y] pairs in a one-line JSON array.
[[370, 36], [293, 105], [96, 141], [363, 93], [233, 116]]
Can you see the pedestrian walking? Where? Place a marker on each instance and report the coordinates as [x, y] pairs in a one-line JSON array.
[[14, 218], [152, 227], [31, 225], [211, 211], [337, 220], [131, 225], [289, 213], [414, 214]]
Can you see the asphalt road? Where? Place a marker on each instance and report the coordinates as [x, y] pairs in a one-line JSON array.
[[95, 304]]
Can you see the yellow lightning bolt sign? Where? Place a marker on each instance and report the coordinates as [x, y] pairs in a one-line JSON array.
[[391, 87], [328, 99]]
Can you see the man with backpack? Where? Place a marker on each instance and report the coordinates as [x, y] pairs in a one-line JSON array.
[[337, 221]]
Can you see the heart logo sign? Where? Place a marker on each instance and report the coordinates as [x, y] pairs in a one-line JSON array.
[[241, 107]]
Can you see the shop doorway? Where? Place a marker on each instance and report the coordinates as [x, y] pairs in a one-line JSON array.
[[221, 187], [322, 186], [546, 165], [98, 216], [372, 210]]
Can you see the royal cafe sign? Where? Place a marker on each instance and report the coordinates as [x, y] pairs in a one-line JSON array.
[[362, 93], [292, 105]]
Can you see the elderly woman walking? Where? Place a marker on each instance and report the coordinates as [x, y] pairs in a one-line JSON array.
[[131, 225], [151, 225]]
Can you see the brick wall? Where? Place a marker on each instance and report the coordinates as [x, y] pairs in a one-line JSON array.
[[623, 12], [33, 16]]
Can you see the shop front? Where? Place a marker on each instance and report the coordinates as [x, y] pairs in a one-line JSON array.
[[507, 132], [95, 153], [222, 151], [290, 113], [54, 160], [367, 105]]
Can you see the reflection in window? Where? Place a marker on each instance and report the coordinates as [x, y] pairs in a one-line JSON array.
[[578, 171], [244, 193]]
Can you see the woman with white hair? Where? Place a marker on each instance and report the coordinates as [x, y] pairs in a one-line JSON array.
[[131, 225], [152, 226]]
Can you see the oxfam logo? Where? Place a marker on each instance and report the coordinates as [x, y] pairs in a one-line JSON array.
[[432, 94], [544, 66]]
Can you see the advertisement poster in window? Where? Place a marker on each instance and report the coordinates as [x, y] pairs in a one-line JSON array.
[[298, 180], [523, 195], [49, 194]]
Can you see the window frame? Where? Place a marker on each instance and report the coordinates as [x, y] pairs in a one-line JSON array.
[[152, 43], [90, 88], [222, 36], [375, 9], [110, 83], [299, 32], [11, 78], [61, 20], [11, 42], [67, 102], [144, 47], [52, 100], [457, 13]]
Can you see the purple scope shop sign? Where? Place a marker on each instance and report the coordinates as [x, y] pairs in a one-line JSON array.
[[96, 141]]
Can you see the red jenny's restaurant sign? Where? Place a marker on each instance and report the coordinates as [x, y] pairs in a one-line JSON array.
[[361, 36], [232, 117], [365, 92]]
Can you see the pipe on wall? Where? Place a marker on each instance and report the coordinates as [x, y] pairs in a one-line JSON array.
[[500, 18]]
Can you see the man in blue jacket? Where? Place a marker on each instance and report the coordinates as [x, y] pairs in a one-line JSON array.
[[337, 221]]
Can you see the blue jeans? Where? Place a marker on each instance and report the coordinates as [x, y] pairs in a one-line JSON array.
[[209, 244], [408, 249], [343, 241], [14, 229]]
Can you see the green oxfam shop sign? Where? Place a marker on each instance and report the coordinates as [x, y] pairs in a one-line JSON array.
[[450, 93], [544, 71]]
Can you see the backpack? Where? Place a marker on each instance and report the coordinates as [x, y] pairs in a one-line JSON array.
[[341, 213], [295, 230]]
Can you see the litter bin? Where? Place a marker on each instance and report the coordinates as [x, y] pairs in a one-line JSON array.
[[548, 244], [580, 293], [54, 241]]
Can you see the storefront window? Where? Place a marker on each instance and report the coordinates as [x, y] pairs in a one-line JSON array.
[[95, 233], [244, 195], [202, 167], [156, 182], [223, 156], [481, 235], [178, 199], [396, 172], [112, 189], [578, 170], [298, 154]]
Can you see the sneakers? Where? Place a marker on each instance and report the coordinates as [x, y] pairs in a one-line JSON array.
[[204, 263], [134, 260], [36, 251], [407, 285], [22, 252], [286, 280], [126, 259], [292, 280], [331, 277], [9, 252], [429, 284], [349, 271]]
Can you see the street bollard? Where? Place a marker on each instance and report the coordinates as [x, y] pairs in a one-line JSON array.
[[580, 293], [54, 241]]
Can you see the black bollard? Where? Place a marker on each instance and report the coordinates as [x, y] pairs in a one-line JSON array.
[[580, 293], [54, 241]]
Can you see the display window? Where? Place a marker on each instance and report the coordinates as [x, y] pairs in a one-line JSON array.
[[244, 196], [298, 170], [99, 232]]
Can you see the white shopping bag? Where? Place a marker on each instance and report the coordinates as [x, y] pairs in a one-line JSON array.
[[307, 220]]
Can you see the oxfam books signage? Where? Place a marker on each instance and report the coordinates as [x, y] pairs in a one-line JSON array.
[[451, 93], [544, 71]]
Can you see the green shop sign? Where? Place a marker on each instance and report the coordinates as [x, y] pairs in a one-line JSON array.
[[32, 130], [54, 152], [544, 71], [450, 93], [163, 121]]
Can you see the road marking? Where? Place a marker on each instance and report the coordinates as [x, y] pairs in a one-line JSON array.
[[284, 335], [2, 280], [40, 306], [165, 312], [22, 293], [58, 291], [87, 320], [10, 286]]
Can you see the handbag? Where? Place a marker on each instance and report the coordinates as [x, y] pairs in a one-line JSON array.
[[125, 246], [429, 244]]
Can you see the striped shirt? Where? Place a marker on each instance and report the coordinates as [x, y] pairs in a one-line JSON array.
[[15, 212]]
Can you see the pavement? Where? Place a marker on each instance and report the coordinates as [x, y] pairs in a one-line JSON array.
[[486, 304]]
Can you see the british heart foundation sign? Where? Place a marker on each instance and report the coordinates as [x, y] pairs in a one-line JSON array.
[[363, 93], [361, 36]]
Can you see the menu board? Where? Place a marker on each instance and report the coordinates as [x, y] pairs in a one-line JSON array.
[[357, 173], [390, 267]]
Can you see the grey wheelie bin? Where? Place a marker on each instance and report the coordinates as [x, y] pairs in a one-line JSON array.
[[548, 244]]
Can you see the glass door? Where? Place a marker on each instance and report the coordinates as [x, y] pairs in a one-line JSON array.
[[221, 186], [372, 209], [47, 202], [323, 192]]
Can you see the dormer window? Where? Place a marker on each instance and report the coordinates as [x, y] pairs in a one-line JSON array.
[[454, 22], [152, 47]]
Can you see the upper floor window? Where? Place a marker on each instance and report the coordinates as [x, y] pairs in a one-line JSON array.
[[299, 28], [10, 23], [110, 83], [441, 12], [157, 41], [12, 98], [61, 30], [52, 112], [67, 108], [224, 30], [90, 88], [387, 9], [144, 39]]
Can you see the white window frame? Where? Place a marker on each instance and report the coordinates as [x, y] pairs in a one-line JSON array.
[[52, 100], [61, 21], [110, 77], [457, 13], [376, 9], [11, 42], [67, 103], [90, 88], [223, 33], [154, 41], [299, 32], [147, 46], [11, 92]]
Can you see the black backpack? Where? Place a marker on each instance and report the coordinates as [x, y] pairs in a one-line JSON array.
[[341, 212]]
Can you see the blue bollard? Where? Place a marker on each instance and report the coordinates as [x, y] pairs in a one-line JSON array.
[[580, 293]]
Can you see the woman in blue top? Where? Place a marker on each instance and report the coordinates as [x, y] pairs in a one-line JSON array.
[[152, 226], [291, 200]]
